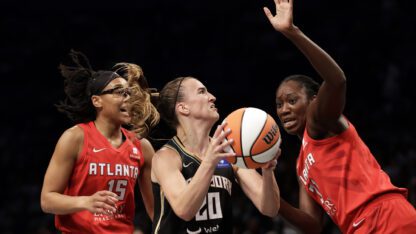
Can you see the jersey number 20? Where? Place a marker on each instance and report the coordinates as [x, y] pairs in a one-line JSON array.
[[210, 208]]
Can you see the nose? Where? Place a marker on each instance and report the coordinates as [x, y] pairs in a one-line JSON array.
[[283, 110], [212, 98]]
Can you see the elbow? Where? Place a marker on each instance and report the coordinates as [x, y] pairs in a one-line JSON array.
[[341, 81], [44, 204], [184, 214], [271, 212]]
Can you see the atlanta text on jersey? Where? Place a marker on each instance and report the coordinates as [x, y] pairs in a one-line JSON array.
[[109, 169]]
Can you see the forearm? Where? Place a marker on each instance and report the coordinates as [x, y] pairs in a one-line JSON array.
[[189, 201], [56, 203], [270, 196], [300, 219], [147, 196], [323, 63]]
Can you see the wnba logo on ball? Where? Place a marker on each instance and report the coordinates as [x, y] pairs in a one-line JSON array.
[[271, 134]]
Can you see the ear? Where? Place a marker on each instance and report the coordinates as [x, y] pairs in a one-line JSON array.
[[313, 97], [183, 108], [96, 101]]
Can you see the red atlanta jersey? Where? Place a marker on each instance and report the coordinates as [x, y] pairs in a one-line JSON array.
[[100, 166], [341, 174]]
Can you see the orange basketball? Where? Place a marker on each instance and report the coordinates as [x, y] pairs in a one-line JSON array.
[[256, 137]]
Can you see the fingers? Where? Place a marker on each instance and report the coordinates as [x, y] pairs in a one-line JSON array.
[[104, 208], [107, 193], [278, 153], [226, 150], [220, 134], [268, 13], [271, 165], [219, 130], [104, 202]]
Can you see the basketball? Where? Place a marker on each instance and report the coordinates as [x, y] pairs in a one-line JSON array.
[[256, 137]]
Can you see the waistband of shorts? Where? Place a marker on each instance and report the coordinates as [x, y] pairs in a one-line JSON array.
[[380, 199]]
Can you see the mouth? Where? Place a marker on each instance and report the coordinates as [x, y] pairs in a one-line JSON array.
[[124, 110], [213, 107], [288, 122]]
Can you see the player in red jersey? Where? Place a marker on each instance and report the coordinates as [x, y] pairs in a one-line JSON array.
[[89, 183], [337, 173]]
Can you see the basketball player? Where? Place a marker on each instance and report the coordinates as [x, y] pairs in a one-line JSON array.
[[337, 173], [89, 183], [192, 182]]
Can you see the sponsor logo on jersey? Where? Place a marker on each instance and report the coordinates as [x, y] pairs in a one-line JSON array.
[[356, 224], [223, 163], [135, 154], [95, 150], [186, 165], [193, 232]]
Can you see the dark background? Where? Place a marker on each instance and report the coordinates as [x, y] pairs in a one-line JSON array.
[[227, 44]]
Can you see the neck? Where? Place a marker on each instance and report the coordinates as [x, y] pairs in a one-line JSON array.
[[194, 138], [110, 131]]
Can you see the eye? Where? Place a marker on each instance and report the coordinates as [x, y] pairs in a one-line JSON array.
[[202, 91], [292, 101], [278, 105], [123, 92]]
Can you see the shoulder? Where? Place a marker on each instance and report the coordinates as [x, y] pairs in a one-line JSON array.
[[164, 162], [71, 142], [146, 145], [167, 155], [147, 149], [74, 134]]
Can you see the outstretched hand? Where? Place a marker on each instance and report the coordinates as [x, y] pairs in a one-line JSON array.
[[282, 21]]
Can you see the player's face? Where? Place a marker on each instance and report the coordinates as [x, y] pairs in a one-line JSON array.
[[113, 101], [200, 102], [291, 105]]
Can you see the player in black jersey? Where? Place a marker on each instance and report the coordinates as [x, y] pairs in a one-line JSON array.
[[192, 182]]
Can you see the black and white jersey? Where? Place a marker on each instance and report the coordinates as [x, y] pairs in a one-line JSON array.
[[215, 214]]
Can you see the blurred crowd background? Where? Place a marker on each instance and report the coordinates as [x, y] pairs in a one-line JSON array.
[[227, 44]]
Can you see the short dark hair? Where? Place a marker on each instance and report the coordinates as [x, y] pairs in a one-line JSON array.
[[310, 85]]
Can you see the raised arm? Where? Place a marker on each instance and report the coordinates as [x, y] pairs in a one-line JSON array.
[[262, 190], [145, 183], [186, 198], [57, 175], [325, 113]]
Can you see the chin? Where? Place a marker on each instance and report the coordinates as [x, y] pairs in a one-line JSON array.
[[126, 120], [291, 131]]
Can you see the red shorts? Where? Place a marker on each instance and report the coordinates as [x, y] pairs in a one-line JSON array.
[[391, 213]]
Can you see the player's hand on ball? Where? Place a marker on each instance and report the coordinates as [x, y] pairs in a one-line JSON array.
[[215, 151], [271, 165]]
